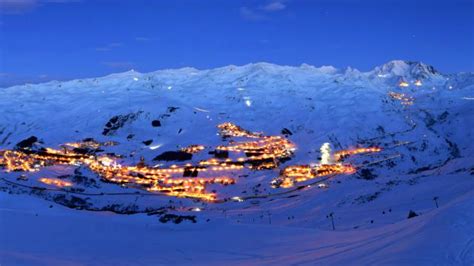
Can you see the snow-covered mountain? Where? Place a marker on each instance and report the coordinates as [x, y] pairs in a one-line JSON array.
[[417, 70], [421, 118]]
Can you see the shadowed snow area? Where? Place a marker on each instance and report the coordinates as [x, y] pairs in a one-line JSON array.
[[35, 234]]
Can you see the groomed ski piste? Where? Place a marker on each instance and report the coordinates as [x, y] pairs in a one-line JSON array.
[[248, 165]]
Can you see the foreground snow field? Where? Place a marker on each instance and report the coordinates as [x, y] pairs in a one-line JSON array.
[[32, 233], [420, 119]]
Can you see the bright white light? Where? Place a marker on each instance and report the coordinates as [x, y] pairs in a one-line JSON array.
[[136, 79], [239, 199], [170, 87], [240, 89], [196, 209], [326, 157], [155, 147], [450, 87], [201, 110], [106, 161], [248, 103]]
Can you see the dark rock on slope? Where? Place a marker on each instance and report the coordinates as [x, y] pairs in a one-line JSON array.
[[173, 156], [26, 143]]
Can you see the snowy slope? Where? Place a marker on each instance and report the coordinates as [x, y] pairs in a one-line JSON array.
[[429, 142], [35, 234]]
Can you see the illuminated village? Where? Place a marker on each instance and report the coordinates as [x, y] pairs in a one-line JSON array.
[[271, 132], [255, 152], [330, 165], [402, 97], [405, 84]]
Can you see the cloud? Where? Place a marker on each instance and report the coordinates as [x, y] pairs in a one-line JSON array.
[[108, 47], [13, 7], [17, 7], [251, 14], [102, 49], [142, 39], [274, 6], [261, 12], [118, 64], [11, 79], [115, 44]]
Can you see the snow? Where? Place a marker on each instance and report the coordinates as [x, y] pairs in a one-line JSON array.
[[429, 143], [406, 68], [32, 233], [248, 102]]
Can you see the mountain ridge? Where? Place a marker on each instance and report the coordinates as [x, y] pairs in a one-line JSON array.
[[398, 69]]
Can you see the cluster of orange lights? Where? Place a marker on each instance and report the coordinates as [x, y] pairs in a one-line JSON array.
[[231, 130], [174, 180], [85, 144], [193, 148], [403, 84], [55, 182], [151, 179], [301, 173], [267, 149], [182, 180], [403, 98], [340, 155], [268, 145], [17, 161]]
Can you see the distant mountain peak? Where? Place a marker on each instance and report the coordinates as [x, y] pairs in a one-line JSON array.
[[402, 68]]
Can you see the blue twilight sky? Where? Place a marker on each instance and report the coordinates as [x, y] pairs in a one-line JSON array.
[[42, 40]]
